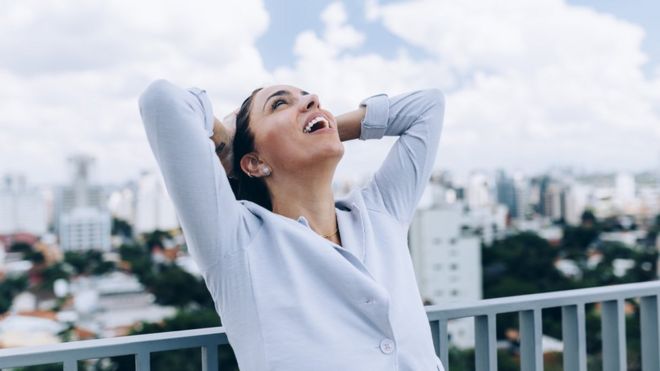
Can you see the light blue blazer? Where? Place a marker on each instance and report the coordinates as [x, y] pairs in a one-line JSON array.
[[289, 299]]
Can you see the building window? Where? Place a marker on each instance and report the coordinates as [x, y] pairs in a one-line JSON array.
[[453, 266], [454, 292]]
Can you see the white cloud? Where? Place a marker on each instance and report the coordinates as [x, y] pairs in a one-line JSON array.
[[543, 83], [71, 73], [528, 84], [342, 80], [338, 34]]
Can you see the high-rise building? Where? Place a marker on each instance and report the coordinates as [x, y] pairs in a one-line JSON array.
[[22, 208], [506, 193], [80, 193], [85, 228], [154, 208], [577, 200], [523, 205], [447, 261], [83, 220], [625, 192], [121, 202], [479, 190], [553, 201]]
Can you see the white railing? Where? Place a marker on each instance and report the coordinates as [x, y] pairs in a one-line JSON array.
[[528, 307], [572, 303]]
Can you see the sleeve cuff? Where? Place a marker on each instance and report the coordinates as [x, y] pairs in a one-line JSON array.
[[206, 106], [374, 124]]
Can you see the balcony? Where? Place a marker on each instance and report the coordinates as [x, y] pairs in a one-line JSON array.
[[528, 308]]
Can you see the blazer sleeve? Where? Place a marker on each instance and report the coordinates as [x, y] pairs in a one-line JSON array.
[[417, 119], [179, 124]]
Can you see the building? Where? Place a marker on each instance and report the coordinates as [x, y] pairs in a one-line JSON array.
[[154, 209], [121, 203], [479, 190], [506, 193], [112, 304], [22, 208], [83, 220], [85, 228], [446, 255]]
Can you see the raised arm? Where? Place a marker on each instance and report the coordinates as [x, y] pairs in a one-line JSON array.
[[179, 124], [417, 118]]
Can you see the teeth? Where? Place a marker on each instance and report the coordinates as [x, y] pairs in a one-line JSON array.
[[309, 125]]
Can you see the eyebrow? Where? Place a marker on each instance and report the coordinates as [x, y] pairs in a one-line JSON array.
[[281, 92]]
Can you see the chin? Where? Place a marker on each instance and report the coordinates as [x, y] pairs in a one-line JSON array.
[[336, 150], [330, 154]]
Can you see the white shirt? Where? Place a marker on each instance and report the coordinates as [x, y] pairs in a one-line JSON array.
[[288, 298]]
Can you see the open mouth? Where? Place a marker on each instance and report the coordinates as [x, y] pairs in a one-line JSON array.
[[318, 122]]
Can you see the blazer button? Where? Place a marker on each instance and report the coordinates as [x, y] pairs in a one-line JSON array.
[[387, 346]]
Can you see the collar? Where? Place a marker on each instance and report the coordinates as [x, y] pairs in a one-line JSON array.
[[302, 220]]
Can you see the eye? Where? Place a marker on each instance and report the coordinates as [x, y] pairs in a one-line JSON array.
[[277, 103]]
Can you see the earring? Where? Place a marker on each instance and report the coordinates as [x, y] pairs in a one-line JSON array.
[[266, 170]]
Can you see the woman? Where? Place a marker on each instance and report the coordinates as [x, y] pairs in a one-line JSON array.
[[301, 281]]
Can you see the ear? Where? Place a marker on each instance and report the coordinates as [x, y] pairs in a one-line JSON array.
[[250, 164]]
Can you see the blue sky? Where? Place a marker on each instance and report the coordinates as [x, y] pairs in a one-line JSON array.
[[290, 17]]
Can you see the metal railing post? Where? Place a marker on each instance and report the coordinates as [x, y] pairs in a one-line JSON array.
[[440, 338], [485, 343], [210, 357], [531, 347], [614, 335], [70, 365], [143, 361], [574, 337], [650, 333]]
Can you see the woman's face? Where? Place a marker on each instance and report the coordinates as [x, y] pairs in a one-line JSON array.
[[291, 130]]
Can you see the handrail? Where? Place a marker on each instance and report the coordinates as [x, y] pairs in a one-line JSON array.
[[528, 307]]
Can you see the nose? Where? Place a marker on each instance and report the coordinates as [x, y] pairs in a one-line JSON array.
[[309, 101]]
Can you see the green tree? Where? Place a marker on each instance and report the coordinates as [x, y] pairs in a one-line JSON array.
[[156, 238], [52, 273], [181, 360], [139, 259], [9, 288], [121, 227], [22, 247], [28, 252], [521, 264], [88, 262], [174, 286]]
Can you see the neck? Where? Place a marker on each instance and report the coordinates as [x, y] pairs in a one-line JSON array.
[[309, 196]]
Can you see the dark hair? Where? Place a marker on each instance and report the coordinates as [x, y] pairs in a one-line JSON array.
[[243, 186]]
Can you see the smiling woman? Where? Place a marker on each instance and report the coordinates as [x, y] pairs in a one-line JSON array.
[[272, 147], [310, 282]]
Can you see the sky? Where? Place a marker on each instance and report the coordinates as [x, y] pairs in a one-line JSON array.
[[529, 86]]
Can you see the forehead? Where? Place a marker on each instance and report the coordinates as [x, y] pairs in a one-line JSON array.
[[263, 94]]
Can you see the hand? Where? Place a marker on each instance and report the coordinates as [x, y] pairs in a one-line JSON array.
[[349, 125], [223, 137], [229, 122]]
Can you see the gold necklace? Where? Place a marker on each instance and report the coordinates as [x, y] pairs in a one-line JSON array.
[[331, 234]]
